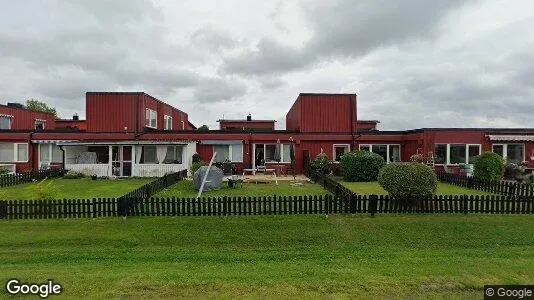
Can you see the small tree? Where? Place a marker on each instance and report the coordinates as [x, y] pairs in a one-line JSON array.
[[361, 166], [203, 128], [39, 106], [408, 181], [320, 166], [489, 166]]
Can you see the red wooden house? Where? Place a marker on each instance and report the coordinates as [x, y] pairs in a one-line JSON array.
[[135, 134]]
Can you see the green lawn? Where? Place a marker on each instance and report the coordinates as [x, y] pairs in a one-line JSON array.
[[301, 257], [186, 188], [369, 188], [72, 188]]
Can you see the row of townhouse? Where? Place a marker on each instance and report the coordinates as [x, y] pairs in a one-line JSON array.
[[135, 134]]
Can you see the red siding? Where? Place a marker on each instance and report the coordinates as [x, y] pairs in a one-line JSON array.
[[24, 119], [163, 109], [71, 124], [323, 113], [247, 124], [363, 126], [111, 112], [205, 152]]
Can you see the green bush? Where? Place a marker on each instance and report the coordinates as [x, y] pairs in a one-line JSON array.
[[320, 166], [73, 175], [196, 158], [408, 180], [195, 166], [489, 166], [4, 171], [46, 190], [361, 166]]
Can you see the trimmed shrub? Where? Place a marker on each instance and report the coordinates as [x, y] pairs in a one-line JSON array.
[[73, 175], [361, 166], [408, 180], [489, 166], [320, 166]]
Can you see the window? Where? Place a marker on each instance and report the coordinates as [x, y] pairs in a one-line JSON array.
[[13, 152], [339, 150], [233, 153], [167, 121], [448, 154], [174, 155], [266, 153], [50, 153], [149, 155], [512, 153], [440, 153], [39, 124], [390, 153], [457, 154], [5, 122], [394, 153], [286, 152], [151, 118]]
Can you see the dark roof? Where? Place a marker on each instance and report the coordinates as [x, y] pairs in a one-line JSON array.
[[236, 120], [367, 121], [68, 120], [327, 94]]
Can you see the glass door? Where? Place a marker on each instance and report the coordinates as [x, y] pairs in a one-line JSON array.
[[121, 160]]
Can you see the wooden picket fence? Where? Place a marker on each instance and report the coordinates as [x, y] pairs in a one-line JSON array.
[[156, 186], [491, 186], [14, 179], [269, 205]]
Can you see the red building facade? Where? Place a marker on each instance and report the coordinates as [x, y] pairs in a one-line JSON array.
[[135, 134]]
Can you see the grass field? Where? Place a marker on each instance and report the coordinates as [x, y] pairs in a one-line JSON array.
[[186, 188], [84, 188], [373, 188], [416, 256]]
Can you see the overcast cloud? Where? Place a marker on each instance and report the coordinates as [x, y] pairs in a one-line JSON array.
[[413, 63]]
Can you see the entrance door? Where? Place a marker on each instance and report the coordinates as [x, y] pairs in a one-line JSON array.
[[121, 160]]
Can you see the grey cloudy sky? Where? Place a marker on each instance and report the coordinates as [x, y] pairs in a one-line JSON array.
[[413, 63]]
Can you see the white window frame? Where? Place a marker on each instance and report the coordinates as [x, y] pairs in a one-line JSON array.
[[334, 146], [166, 122], [49, 149], [265, 151], [387, 151], [505, 150], [16, 154], [10, 117], [230, 154], [40, 121], [148, 121], [448, 153]]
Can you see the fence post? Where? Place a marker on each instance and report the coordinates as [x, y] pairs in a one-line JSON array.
[[373, 201], [3, 210], [465, 201]]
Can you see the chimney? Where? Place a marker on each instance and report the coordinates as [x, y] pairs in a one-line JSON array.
[[75, 117], [249, 117]]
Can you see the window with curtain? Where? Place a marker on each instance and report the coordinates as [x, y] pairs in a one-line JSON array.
[[44, 153], [57, 154], [174, 155], [167, 122], [151, 118], [5, 122], [237, 153], [22, 152], [223, 153], [457, 154], [7, 152], [286, 153], [394, 153]]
